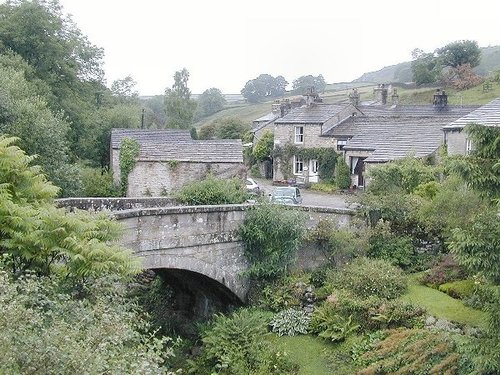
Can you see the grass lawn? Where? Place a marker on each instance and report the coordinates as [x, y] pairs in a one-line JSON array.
[[309, 351], [442, 305]]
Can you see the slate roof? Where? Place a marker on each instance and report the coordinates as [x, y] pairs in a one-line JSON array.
[[488, 115], [394, 132], [266, 118], [202, 151], [146, 136], [315, 114]]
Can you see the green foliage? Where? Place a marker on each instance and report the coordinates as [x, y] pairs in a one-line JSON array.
[[301, 84], [224, 128], [395, 249], [476, 247], [46, 331], [271, 235], [342, 174], [98, 182], [426, 68], [414, 351], [402, 175], [40, 237], [264, 87], [460, 53], [234, 345], [282, 294], [264, 147], [129, 151], [213, 191], [290, 322], [179, 106], [481, 168], [338, 328], [209, 102], [458, 289], [370, 277]]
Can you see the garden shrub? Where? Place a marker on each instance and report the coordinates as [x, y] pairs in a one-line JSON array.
[[396, 249], [328, 323], [282, 294], [213, 191], [412, 351], [46, 331], [271, 235], [444, 271], [461, 289], [234, 345], [290, 322], [98, 182], [370, 277]]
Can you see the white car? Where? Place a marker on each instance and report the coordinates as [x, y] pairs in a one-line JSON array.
[[253, 187]]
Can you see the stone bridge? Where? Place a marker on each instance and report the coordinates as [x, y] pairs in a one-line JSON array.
[[198, 246]]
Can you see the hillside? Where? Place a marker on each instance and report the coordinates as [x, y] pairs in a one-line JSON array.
[[490, 62]]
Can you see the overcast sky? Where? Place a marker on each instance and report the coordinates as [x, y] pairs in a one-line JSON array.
[[225, 43]]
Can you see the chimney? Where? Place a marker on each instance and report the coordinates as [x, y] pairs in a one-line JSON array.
[[380, 93], [440, 99], [395, 97], [354, 97]]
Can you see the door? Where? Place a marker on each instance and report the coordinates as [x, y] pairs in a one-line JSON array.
[[313, 170]]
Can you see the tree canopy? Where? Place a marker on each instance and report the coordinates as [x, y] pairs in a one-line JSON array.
[[301, 84], [210, 102], [264, 87], [459, 53], [179, 106]]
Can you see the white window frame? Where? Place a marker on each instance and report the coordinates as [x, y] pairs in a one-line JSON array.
[[340, 144], [468, 146], [298, 165], [299, 134], [314, 166]]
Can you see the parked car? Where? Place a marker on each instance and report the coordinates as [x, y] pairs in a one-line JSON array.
[[286, 195], [253, 187]]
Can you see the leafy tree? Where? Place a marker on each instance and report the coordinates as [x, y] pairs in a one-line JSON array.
[[481, 168], [301, 84], [459, 53], [271, 235], [26, 115], [264, 147], [210, 102], [179, 106], [264, 87], [224, 128], [426, 67], [38, 236], [69, 66], [462, 77], [124, 89]]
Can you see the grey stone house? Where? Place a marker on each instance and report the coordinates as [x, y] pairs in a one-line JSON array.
[[455, 138], [170, 159], [364, 135]]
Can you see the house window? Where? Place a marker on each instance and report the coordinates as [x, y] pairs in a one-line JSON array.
[[314, 166], [468, 146], [299, 134], [340, 144], [298, 165]]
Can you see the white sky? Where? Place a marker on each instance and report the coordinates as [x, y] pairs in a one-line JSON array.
[[225, 43]]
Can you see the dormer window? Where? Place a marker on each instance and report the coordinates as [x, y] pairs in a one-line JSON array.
[[299, 134]]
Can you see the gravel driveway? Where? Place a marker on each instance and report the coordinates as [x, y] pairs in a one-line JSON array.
[[311, 198]]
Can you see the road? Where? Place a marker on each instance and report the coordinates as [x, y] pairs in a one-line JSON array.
[[311, 198]]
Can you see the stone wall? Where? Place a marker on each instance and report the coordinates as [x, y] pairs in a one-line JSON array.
[[456, 142], [162, 178], [114, 204]]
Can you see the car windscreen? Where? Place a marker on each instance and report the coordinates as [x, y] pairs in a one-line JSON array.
[[283, 193]]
